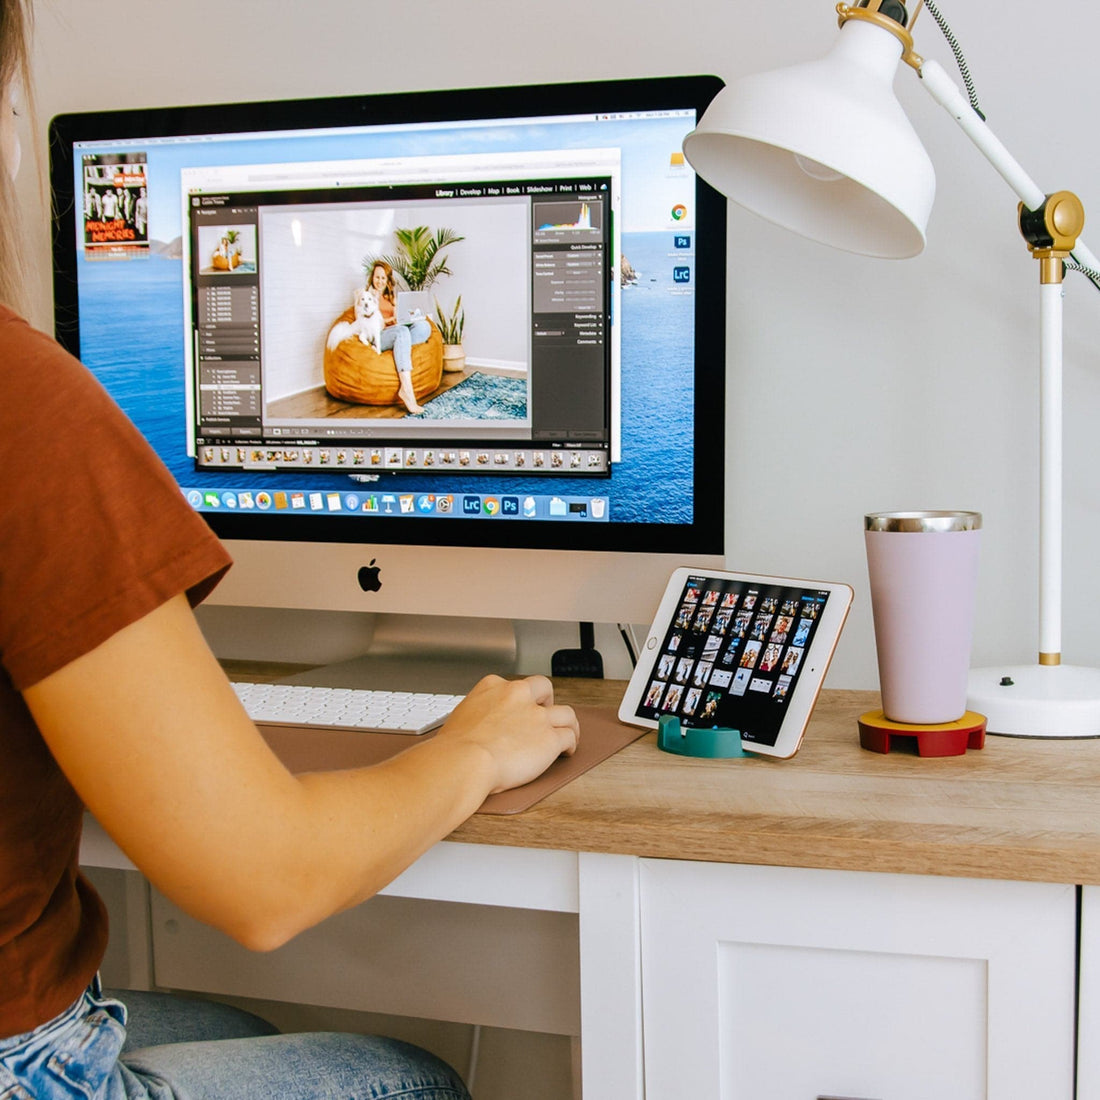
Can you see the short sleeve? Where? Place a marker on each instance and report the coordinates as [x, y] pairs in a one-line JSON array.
[[94, 532]]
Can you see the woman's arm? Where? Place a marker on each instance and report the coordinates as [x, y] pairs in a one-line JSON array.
[[152, 736]]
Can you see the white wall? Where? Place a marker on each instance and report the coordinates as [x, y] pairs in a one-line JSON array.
[[492, 277], [906, 385]]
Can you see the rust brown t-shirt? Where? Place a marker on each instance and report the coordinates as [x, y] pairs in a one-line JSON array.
[[94, 533]]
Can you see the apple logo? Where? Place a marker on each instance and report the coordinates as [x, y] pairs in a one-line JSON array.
[[369, 580]]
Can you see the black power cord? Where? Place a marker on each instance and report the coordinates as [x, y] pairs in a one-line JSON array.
[[625, 632]]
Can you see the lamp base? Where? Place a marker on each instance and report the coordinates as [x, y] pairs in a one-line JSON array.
[[1037, 700]]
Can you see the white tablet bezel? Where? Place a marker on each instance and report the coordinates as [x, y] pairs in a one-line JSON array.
[[815, 661]]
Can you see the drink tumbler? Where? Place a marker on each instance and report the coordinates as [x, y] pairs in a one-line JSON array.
[[923, 568]]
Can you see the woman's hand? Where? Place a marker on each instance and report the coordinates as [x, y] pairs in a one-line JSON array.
[[517, 724]]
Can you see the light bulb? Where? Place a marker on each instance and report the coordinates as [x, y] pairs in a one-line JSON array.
[[818, 170]]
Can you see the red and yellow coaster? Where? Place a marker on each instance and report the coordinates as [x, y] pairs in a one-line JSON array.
[[876, 732]]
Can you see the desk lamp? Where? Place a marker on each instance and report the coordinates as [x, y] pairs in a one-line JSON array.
[[825, 149]]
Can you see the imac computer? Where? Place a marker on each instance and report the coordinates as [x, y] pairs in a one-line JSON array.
[[557, 274]]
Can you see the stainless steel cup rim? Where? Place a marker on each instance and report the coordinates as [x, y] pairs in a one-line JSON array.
[[936, 522]]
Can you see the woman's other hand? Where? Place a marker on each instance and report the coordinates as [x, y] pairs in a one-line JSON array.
[[518, 724]]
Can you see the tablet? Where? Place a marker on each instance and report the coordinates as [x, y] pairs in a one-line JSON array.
[[738, 651]]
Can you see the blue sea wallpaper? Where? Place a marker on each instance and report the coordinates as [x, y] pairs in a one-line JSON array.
[[132, 336]]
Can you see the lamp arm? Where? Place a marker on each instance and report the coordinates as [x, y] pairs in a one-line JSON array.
[[946, 93]]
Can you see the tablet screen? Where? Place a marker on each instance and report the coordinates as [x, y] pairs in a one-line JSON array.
[[732, 655]]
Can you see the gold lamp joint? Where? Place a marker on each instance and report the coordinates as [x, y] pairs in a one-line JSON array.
[[1051, 232], [871, 14]]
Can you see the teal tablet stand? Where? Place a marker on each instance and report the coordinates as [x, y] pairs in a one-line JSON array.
[[711, 743]]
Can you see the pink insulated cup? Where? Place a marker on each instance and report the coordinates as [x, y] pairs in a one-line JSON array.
[[923, 568]]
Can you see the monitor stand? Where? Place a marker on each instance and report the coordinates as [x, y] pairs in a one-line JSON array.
[[423, 653]]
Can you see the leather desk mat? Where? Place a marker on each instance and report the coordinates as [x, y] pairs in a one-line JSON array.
[[317, 750]]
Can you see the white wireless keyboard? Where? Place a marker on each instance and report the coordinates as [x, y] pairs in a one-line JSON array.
[[346, 708]]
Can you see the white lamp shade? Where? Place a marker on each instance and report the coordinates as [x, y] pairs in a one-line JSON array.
[[823, 148]]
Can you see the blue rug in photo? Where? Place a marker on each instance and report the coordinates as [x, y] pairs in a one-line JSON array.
[[479, 397]]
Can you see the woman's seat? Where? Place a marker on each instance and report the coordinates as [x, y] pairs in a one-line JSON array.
[[355, 372]]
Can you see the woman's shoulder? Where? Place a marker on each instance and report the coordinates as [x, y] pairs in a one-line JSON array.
[[16, 330], [47, 393], [33, 362], [13, 325]]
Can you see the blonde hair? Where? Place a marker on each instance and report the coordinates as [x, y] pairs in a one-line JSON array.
[[16, 22]]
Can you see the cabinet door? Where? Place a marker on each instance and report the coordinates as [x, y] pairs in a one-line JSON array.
[[1088, 1056], [795, 984]]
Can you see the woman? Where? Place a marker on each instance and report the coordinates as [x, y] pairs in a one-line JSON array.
[[400, 336], [110, 699]]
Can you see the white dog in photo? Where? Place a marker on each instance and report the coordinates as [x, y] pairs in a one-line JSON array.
[[367, 324]]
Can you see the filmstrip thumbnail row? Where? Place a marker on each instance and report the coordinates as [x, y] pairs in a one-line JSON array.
[[402, 458]]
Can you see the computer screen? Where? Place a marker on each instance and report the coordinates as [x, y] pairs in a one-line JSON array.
[[459, 352]]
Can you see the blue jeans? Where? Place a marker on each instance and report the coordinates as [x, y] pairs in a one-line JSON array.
[[194, 1050], [401, 338]]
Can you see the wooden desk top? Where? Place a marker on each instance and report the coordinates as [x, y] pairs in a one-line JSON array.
[[1016, 809]]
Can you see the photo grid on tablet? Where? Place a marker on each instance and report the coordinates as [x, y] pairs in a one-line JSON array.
[[732, 655]]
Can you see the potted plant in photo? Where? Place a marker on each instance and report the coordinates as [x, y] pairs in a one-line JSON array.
[[450, 328], [233, 246], [419, 259]]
